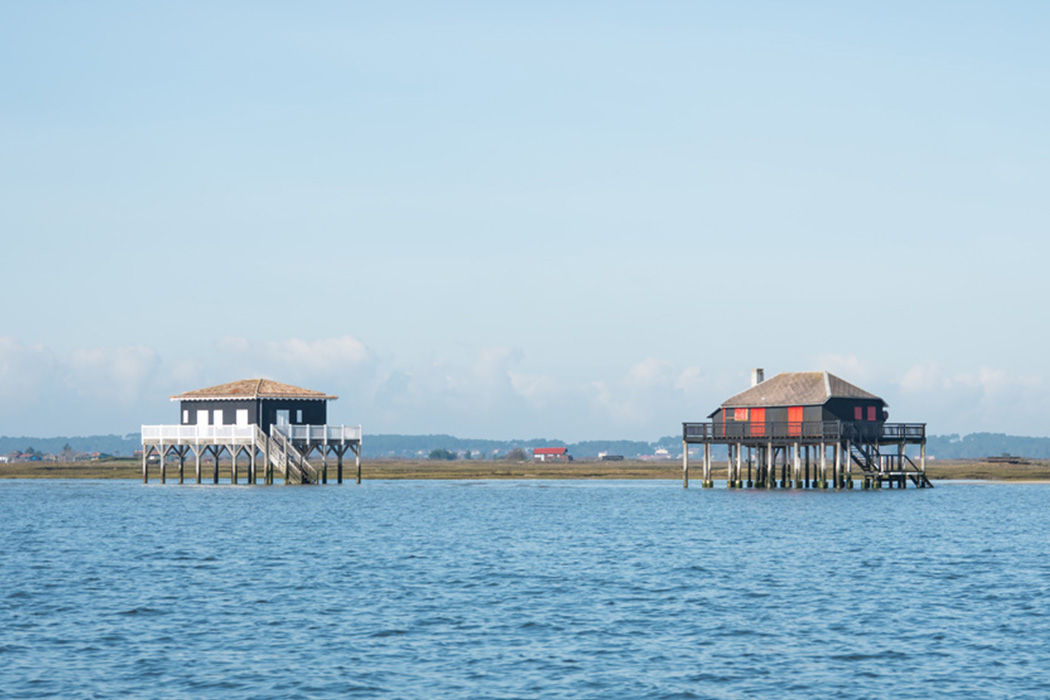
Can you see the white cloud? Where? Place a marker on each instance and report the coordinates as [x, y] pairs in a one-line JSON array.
[[112, 374], [984, 399], [538, 390], [491, 393], [848, 367], [654, 393], [297, 356], [25, 370], [84, 390]]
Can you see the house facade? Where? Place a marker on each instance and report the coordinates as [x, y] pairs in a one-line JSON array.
[[261, 402], [797, 403], [551, 454]]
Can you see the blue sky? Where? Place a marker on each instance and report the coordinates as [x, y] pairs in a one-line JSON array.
[[573, 220]]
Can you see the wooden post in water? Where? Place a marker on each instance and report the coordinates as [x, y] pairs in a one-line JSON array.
[[197, 455], [145, 464], [901, 456], [798, 466], [836, 466], [215, 472], [163, 465], [922, 459], [708, 477], [267, 465], [357, 461], [706, 466], [822, 465], [771, 467], [182, 464], [233, 464], [685, 464], [849, 466]]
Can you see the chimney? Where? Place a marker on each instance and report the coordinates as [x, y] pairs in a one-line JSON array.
[[758, 376]]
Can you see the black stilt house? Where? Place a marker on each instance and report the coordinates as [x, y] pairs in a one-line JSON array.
[[796, 403], [791, 423], [261, 402]]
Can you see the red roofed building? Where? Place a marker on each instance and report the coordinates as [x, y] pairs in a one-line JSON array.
[[551, 454]]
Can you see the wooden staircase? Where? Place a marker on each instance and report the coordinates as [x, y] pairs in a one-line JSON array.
[[887, 469], [291, 463]]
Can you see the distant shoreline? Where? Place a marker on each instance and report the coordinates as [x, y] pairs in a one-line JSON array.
[[1033, 471]]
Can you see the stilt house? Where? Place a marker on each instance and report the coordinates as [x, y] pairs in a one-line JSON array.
[[282, 426], [791, 421]]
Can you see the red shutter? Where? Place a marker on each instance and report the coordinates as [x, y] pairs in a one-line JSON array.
[[871, 413], [758, 422], [858, 413], [794, 420]]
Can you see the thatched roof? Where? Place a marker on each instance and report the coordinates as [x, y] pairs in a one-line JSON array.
[[798, 389], [252, 389]]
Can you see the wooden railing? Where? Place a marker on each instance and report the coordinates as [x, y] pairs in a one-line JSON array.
[[245, 434], [320, 433], [821, 430], [206, 434]]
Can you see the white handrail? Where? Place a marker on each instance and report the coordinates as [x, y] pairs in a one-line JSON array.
[[246, 433], [194, 433], [320, 433]]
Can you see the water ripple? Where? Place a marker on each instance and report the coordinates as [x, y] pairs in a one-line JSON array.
[[522, 589]]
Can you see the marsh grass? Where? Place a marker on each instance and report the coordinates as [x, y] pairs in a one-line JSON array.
[[486, 469]]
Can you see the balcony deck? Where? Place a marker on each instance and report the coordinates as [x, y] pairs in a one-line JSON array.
[[246, 434], [804, 432]]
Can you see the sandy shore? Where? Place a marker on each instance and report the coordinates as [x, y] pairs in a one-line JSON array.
[[478, 469]]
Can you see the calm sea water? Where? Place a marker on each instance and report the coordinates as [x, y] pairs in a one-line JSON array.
[[534, 589]]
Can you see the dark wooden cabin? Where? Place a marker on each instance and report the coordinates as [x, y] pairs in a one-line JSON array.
[[261, 402], [792, 421], [793, 402]]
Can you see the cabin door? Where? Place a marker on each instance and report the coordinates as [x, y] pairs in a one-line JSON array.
[[202, 418], [283, 417], [794, 420]]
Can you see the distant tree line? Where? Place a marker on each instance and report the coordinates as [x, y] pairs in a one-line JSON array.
[[120, 445], [953, 446]]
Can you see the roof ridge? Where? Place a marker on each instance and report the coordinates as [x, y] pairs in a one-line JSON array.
[[827, 383], [258, 388]]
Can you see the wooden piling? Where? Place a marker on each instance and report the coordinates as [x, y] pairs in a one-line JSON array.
[[685, 464]]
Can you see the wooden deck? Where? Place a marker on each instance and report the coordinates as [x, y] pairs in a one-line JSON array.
[[300, 454], [800, 451], [807, 432]]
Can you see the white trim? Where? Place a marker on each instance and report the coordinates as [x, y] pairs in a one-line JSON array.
[[253, 398]]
